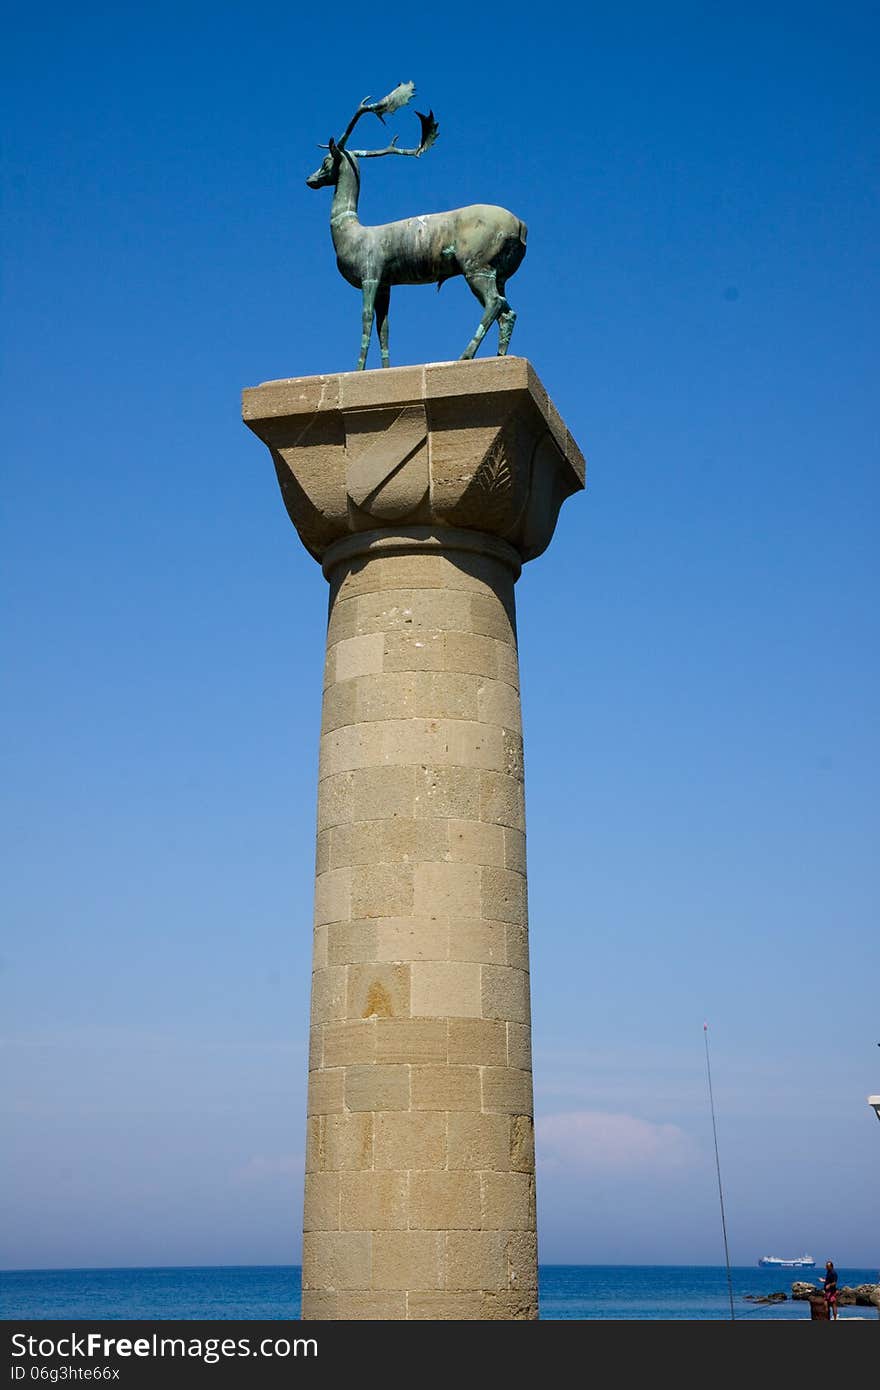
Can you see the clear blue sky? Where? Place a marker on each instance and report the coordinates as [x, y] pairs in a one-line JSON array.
[[699, 644]]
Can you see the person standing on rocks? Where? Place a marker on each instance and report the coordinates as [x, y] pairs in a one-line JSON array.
[[830, 1287]]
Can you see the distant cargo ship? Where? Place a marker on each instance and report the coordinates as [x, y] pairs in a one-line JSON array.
[[802, 1262]]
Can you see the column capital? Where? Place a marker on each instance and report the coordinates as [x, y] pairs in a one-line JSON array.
[[469, 446]]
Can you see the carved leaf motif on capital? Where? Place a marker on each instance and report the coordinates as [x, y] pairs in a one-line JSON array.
[[496, 494]]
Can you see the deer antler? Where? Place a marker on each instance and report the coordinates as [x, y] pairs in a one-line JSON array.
[[430, 131], [400, 96], [361, 111]]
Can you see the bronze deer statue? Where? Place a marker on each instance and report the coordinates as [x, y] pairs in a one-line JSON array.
[[483, 243]]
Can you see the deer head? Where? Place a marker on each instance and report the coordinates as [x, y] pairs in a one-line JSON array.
[[327, 173]]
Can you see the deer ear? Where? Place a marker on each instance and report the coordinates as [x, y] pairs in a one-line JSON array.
[[331, 145]]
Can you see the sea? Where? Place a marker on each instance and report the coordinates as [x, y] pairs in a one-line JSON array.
[[607, 1292]]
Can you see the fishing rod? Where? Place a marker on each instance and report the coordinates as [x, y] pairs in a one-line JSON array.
[[718, 1171]]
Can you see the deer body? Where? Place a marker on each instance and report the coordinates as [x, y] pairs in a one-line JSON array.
[[483, 243]]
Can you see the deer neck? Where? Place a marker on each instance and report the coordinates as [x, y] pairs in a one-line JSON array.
[[343, 210]]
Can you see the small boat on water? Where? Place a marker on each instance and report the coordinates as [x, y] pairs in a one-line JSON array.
[[774, 1262]]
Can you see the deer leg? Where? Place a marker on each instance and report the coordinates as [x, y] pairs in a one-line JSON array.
[[482, 283], [506, 320], [369, 288], [383, 299]]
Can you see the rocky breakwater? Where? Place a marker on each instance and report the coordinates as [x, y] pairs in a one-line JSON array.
[[863, 1295]]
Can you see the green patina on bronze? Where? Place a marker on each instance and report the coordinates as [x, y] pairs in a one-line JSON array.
[[482, 242]]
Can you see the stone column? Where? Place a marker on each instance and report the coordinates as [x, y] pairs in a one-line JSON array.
[[421, 491]]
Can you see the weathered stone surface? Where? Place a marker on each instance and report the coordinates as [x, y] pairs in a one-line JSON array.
[[477, 1141], [410, 1260], [410, 1140], [421, 491], [373, 1201], [335, 1260]]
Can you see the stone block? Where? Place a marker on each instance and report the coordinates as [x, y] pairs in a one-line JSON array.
[[411, 938], [383, 386], [491, 618], [377, 1087], [519, 1046], [318, 1305], [370, 1307], [340, 706], [320, 959], [446, 890], [441, 1201], [380, 792], [475, 842], [487, 376], [321, 1207], [322, 852], [503, 896], [336, 1260], [419, 1040], [505, 993], [522, 1143], [465, 743], [416, 610], [508, 663], [371, 1201], [411, 743], [409, 1139], [477, 1141], [398, 840], [476, 1260], [513, 753], [326, 1089], [314, 1143], [445, 1088], [522, 1256], [358, 656], [413, 651], [507, 1201], [316, 1047], [346, 1142], [382, 890], [472, 653], [296, 395], [477, 1041], [346, 749], [334, 791], [502, 801], [349, 1042], [447, 792], [517, 944], [507, 1090], [514, 850], [349, 942], [498, 703], [342, 620], [444, 989], [378, 990], [417, 695], [477, 940], [511, 1307], [333, 896], [444, 1307], [328, 994], [408, 1260]]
